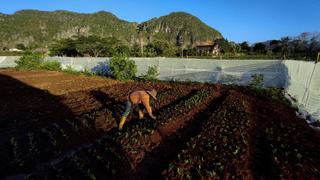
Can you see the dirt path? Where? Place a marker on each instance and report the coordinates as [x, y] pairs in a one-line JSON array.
[[57, 83]]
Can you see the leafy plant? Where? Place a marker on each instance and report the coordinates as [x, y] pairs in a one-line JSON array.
[[122, 68], [70, 70], [50, 135], [50, 65], [257, 81], [73, 124], [87, 72], [17, 159], [60, 129], [102, 69], [151, 74], [30, 61], [33, 148]]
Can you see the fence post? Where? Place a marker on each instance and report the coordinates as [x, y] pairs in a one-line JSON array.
[[318, 58]]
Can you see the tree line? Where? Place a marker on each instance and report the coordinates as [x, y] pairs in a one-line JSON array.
[[303, 47]]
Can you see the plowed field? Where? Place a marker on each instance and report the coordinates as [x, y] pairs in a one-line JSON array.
[[60, 126]]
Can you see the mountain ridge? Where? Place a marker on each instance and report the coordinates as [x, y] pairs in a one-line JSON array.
[[35, 28]]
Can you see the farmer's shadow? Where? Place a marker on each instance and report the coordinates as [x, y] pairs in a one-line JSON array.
[[116, 107]]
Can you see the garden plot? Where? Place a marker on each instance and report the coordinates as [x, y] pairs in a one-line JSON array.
[[201, 131]]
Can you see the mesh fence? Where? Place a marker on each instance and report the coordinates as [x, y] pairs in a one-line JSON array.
[[8, 61]]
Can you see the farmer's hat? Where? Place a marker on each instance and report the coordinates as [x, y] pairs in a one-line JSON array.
[[152, 93]]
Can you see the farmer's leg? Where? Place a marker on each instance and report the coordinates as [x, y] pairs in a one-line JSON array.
[[140, 110], [125, 114]]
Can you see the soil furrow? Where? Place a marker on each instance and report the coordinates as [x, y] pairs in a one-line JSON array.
[[175, 140]]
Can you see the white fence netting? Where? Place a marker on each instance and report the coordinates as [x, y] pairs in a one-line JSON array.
[[223, 71], [8, 61], [304, 85], [301, 79]]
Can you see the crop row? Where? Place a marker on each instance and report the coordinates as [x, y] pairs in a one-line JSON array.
[[127, 146], [288, 156], [138, 138], [42, 144], [218, 148], [103, 159], [169, 96]]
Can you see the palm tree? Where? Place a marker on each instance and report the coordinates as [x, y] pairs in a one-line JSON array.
[[141, 29]]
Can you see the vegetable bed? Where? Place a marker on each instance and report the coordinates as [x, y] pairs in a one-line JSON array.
[[202, 131]]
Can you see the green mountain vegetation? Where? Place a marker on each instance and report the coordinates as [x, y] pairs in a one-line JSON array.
[[180, 28], [39, 29]]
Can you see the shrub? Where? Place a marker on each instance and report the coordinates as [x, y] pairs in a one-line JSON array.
[[152, 74], [87, 72], [30, 61], [278, 94], [51, 65], [257, 81], [70, 70], [122, 68], [102, 69]]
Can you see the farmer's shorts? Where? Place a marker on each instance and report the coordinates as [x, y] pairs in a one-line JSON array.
[[128, 107]]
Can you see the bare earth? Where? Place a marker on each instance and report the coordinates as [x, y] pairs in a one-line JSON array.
[[57, 83], [60, 126]]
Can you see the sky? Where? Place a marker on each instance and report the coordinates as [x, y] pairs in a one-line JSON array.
[[237, 20]]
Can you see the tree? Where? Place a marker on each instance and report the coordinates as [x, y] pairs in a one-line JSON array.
[[21, 46], [275, 46], [284, 47], [225, 46], [314, 48], [92, 45], [64, 47], [245, 48], [111, 46], [180, 43], [314, 45], [190, 52], [122, 49], [88, 46], [141, 31], [235, 48], [135, 50], [162, 48], [150, 50], [260, 48]]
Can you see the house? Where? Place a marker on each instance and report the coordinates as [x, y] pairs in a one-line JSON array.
[[207, 48]]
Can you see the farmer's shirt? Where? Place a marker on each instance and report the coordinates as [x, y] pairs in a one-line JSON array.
[[138, 97]]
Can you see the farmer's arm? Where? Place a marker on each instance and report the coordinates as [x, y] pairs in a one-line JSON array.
[[146, 103]]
